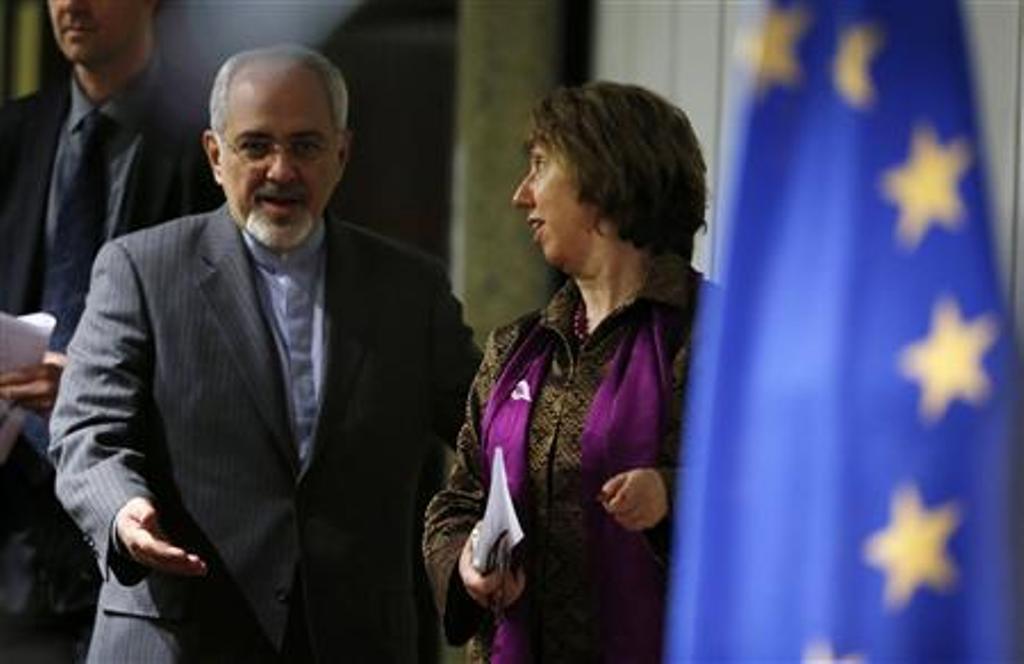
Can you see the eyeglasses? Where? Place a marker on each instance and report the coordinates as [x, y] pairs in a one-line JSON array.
[[257, 150]]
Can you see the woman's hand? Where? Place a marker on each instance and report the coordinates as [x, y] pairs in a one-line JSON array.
[[636, 499], [494, 591]]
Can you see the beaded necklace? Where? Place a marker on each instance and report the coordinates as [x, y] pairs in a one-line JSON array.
[[579, 323]]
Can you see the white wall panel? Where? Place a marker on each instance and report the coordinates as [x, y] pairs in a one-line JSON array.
[[683, 49], [672, 47], [696, 87], [615, 42], [655, 25], [993, 31], [1017, 208]]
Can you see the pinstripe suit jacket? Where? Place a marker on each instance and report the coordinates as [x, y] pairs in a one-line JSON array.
[[174, 392]]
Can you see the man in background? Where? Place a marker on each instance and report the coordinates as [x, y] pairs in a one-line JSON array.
[[85, 160], [250, 397]]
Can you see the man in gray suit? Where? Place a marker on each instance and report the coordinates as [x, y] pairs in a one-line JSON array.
[[249, 397]]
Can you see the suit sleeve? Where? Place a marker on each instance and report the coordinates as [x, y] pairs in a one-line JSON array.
[[97, 427], [454, 511], [454, 361]]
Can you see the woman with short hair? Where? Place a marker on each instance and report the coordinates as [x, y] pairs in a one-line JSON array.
[[583, 397]]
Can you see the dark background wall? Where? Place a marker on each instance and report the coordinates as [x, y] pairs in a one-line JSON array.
[[400, 62]]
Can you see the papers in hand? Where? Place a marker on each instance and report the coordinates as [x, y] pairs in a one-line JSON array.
[[499, 532], [23, 341]]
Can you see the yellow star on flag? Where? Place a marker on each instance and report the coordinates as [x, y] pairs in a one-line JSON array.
[[926, 187], [820, 652], [858, 46], [947, 363], [771, 51], [911, 550]]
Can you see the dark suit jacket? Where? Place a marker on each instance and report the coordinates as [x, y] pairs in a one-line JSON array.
[[174, 392], [45, 568]]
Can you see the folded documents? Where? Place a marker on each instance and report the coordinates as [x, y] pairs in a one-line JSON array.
[[499, 532], [23, 341]]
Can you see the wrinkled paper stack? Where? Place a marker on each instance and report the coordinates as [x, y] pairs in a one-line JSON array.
[[499, 532], [23, 341]]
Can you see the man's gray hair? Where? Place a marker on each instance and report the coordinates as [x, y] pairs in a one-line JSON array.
[[330, 76]]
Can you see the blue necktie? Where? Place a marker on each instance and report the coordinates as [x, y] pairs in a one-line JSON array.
[[79, 233]]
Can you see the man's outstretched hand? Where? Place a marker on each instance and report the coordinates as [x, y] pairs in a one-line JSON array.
[[140, 536]]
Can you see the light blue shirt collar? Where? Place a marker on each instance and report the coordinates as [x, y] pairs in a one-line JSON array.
[[291, 289]]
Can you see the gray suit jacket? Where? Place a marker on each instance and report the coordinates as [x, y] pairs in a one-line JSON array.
[[174, 392]]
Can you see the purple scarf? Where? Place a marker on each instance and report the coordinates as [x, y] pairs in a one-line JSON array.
[[623, 430]]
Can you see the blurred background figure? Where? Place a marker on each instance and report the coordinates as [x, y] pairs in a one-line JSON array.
[[101, 152], [584, 396]]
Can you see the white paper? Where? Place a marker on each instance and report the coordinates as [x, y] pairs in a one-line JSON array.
[[23, 341], [499, 532]]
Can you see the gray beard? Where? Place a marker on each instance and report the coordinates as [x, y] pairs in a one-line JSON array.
[[279, 238]]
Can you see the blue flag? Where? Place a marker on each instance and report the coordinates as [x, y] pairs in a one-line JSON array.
[[847, 449]]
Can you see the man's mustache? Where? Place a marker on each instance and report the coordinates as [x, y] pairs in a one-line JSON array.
[[75, 20], [291, 192]]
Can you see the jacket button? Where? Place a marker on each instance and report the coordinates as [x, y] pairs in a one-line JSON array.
[[282, 595]]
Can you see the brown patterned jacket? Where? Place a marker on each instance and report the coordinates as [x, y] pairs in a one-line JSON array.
[[558, 579]]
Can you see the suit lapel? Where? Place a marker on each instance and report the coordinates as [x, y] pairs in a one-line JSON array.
[[161, 149], [151, 180], [227, 285], [347, 321], [37, 153]]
